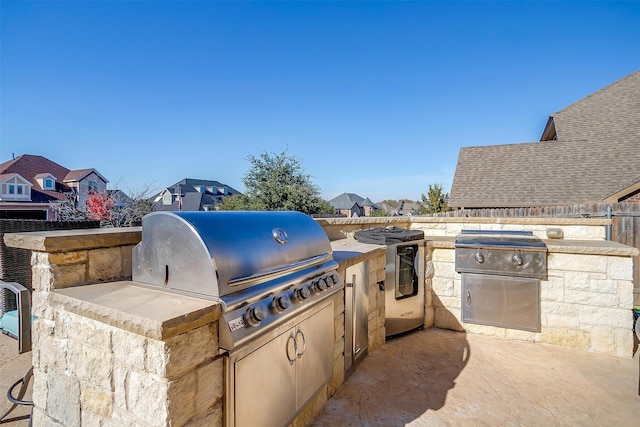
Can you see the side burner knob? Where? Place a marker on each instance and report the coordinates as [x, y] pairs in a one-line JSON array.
[[281, 303], [517, 259], [301, 294], [479, 258], [254, 315]]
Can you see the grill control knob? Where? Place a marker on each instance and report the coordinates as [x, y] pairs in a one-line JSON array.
[[318, 286], [330, 281], [301, 294], [281, 303], [479, 258], [517, 259], [254, 315]]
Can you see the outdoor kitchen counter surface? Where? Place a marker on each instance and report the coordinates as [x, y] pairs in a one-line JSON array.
[[149, 312], [348, 252], [570, 246]]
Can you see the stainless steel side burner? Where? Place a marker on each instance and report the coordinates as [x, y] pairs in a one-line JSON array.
[[501, 272]]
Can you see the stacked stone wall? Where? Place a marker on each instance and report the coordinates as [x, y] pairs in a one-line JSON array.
[[90, 373], [581, 229], [586, 302]]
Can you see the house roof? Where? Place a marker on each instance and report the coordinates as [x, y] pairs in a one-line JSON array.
[[30, 167], [347, 200], [77, 175], [189, 185], [192, 199], [589, 152]]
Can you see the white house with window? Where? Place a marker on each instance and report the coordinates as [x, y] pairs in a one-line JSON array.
[[30, 185], [13, 187]]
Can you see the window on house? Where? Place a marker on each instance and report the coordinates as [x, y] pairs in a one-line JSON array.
[[92, 186], [166, 199], [19, 189], [48, 184], [12, 189]]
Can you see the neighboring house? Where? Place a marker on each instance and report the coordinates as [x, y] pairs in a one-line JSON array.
[[589, 152], [403, 208], [30, 184], [192, 195], [119, 197], [352, 205], [408, 208]]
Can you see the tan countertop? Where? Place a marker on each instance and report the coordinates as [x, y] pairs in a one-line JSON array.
[[349, 252], [567, 246], [148, 312]]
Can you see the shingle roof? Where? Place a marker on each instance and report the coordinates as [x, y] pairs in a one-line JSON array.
[[596, 155], [77, 175], [28, 166], [347, 200], [192, 199]]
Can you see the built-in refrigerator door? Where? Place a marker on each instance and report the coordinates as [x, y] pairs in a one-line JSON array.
[[356, 314]]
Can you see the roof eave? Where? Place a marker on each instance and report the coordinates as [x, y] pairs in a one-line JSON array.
[[549, 132]]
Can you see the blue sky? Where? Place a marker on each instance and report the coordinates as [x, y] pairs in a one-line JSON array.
[[375, 98]]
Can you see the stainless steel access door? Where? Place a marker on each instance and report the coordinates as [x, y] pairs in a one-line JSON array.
[[404, 287], [506, 301], [269, 380], [356, 313]]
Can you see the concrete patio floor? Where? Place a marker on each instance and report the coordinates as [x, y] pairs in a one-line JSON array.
[[12, 367], [444, 378]]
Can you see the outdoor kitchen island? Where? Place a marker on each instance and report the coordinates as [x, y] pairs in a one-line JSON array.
[[117, 353], [107, 354]]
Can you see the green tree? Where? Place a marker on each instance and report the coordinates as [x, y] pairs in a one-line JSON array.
[[435, 201], [277, 182], [236, 202]]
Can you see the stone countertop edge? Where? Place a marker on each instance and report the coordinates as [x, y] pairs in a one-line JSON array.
[[148, 312], [567, 246], [74, 240], [348, 252]]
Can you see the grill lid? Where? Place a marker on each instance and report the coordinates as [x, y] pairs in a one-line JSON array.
[[213, 254], [499, 239]]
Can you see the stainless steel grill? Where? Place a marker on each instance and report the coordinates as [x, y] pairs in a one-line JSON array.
[[274, 275], [501, 272], [264, 267]]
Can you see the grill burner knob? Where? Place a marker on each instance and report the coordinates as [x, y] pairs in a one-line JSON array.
[[479, 258], [301, 294], [330, 281], [254, 315], [281, 303], [319, 286], [517, 259]]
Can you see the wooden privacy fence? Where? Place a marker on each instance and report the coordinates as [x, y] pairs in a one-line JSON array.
[[625, 219], [15, 264]]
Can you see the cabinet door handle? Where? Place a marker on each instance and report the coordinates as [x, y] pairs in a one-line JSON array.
[[468, 298], [291, 338], [304, 343]]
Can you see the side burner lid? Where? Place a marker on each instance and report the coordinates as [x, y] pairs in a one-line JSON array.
[[499, 239]]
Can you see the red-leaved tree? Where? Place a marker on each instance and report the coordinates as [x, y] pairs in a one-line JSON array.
[[99, 206]]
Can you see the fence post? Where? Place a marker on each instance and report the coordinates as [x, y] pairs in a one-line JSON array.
[[607, 228]]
